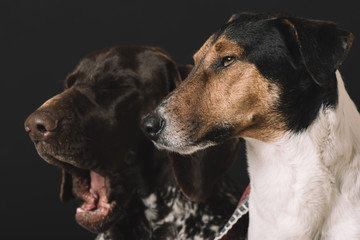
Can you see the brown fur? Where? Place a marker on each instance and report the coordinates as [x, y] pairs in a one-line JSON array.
[[239, 97]]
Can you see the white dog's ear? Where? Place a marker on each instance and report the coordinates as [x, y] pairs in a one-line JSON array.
[[320, 46], [198, 173]]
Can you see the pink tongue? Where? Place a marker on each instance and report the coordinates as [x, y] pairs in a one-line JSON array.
[[97, 182]]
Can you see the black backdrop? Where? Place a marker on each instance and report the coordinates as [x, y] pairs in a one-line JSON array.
[[41, 41]]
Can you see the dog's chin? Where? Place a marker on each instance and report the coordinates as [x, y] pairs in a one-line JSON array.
[[182, 148], [98, 220]]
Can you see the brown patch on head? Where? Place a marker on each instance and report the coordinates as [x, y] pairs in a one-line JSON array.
[[236, 97], [222, 47], [225, 47], [259, 99]]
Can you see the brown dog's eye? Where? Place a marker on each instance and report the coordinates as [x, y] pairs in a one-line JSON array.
[[228, 60]]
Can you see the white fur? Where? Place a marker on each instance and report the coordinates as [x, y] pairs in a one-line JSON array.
[[307, 185], [150, 203], [180, 211]]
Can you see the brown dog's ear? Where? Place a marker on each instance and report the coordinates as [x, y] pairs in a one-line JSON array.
[[177, 74], [66, 187], [319, 45], [198, 173], [185, 70]]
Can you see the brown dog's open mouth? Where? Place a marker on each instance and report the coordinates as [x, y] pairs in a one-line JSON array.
[[96, 213]]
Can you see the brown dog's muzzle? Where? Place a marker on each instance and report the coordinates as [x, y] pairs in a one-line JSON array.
[[56, 132]]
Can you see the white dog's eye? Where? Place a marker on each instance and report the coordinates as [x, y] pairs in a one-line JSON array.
[[228, 60]]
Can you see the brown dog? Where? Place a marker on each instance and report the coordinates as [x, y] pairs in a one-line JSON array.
[[91, 131]]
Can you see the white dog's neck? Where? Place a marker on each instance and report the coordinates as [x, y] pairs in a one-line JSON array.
[[307, 185]]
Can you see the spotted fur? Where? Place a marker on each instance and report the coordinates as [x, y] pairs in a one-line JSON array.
[[167, 214]]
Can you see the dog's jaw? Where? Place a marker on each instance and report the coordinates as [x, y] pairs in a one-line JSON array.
[[97, 213], [167, 144]]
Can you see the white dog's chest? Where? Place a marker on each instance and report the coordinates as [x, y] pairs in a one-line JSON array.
[[294, 196], [288, 198]]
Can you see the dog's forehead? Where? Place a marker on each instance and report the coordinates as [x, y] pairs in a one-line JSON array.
[[220, 47], [104, 66], [249, 32], [126, 63], [237, 34]]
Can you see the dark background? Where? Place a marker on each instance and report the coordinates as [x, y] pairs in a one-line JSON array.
[[41, 42]]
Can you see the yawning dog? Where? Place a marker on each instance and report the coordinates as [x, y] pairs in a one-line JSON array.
[[273, 80], [91, 131]]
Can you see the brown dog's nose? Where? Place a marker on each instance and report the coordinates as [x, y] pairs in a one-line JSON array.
[[152, 126], [41, 125]]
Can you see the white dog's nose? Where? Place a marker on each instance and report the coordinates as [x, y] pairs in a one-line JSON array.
[[152, 125]]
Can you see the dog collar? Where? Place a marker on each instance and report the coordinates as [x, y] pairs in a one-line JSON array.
[[241, 210]]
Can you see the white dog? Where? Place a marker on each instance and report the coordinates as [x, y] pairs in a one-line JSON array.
[[273, 80]]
